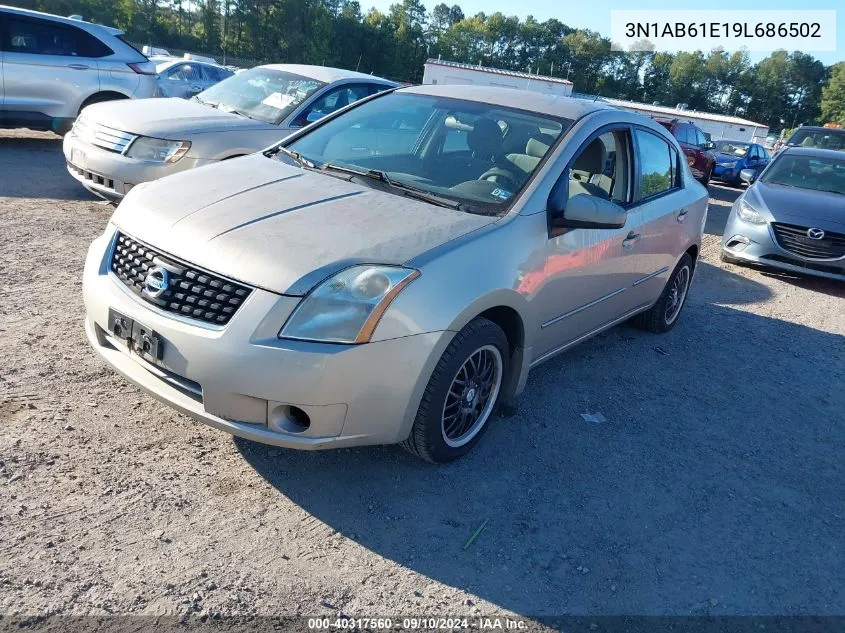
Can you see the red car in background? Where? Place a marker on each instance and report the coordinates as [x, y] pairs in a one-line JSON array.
[[696, 148]]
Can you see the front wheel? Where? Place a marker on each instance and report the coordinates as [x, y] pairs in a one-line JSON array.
[[461, 394], [663, 315]]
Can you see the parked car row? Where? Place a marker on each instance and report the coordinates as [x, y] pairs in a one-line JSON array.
[[384, 264]]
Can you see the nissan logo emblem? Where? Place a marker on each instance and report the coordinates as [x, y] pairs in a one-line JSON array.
[[156, 282], [815, 234]]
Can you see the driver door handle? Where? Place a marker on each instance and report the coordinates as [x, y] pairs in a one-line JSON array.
[[78, 66], [632, 239]]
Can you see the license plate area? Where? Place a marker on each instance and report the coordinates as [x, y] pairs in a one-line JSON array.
[[139, 339]]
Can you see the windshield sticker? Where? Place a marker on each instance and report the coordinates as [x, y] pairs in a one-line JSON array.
[[278, 100], [501, 194]]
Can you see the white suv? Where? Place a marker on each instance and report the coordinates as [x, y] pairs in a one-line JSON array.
[[52, 67]]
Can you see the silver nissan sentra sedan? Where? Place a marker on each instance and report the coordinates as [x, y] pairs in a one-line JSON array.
[[392, 272]]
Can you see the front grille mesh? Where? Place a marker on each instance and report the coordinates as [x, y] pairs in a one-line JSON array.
[[191, 292], [794, 239], [105, 137]]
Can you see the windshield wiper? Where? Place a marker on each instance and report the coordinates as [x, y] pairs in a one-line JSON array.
[[296, 157], [409, 190], [208, 103]]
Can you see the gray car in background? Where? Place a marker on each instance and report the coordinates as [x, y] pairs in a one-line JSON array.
[[186, 78], [793, 216], [53, 67], [116, 146], [392, 272]]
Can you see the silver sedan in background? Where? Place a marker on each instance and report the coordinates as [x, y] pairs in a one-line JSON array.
[[186, 78], [792, 217], [116, 146]]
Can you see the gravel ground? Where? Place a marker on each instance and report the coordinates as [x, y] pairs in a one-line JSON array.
[[714, 487]]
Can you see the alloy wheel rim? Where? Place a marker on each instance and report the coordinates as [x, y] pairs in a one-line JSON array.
[[471, 396], [677, 294]]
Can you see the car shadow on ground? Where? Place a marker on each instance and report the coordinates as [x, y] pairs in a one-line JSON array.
[[709, 488], [33, 166]]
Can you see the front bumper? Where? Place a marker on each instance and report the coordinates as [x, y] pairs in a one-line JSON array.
[[112, 175], [756, 244], [241, 378], [727, 174]]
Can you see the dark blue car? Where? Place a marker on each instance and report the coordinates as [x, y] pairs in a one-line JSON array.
[[734, 156]]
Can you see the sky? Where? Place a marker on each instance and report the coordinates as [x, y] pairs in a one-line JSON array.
[[596, 15]]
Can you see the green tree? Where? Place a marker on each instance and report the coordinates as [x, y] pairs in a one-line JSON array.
[[833, 96]]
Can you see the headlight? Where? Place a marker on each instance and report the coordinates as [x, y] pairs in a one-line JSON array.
[[731, 165], [157, 150], [347, 307], [749, 214]]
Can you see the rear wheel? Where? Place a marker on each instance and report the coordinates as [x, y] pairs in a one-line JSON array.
[[663, 315], [461, 394], [706, 180]]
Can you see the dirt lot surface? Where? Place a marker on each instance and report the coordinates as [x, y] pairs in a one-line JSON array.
[[714, 487]]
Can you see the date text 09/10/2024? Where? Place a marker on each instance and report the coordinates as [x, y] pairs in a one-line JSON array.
[[417, 624]]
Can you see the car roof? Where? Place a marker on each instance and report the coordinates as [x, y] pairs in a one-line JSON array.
[[88, 26], [326, 74], [169, 62], [553, 105], [730, 140], [814, 151], [819, 128]]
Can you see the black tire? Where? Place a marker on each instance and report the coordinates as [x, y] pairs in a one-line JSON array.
[[706, 180], [658, 318], [428, 434]]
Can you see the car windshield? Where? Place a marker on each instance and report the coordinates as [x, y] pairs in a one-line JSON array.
[[264, 94], [733, 149], [819, 173], [825, 138], [476, 156]]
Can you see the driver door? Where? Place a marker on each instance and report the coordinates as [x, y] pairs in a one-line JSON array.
[[582, 283]]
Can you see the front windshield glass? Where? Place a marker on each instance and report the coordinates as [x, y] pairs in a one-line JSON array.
[[477, 155], [819, 173], [824, 139], [260, 93], [733, 149]]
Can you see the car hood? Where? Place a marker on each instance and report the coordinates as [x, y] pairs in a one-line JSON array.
[[728, 158], [800, 206], [167, 118], [282, 228]]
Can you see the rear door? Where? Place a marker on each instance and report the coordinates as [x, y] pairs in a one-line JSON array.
[[659, 212], [49, 67]]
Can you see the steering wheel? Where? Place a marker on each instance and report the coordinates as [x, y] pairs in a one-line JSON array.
[[501, 177]]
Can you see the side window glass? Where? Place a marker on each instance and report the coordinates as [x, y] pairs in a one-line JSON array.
[[683, 135], [700, 139], [184, 72], [41, 37], [210, 73], [656, 172], [601, 168]]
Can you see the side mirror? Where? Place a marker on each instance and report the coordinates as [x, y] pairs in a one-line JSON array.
[[748, 175], [710, 145], [583, 211], [313, 116]]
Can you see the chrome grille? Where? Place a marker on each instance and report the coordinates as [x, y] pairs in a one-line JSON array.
[[794, 238], [191, 292], [102, 136]]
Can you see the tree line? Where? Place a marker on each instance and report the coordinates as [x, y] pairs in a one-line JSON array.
[[783, 90]]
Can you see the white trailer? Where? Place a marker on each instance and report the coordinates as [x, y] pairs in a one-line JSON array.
[[718, 126], [445, 72]]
